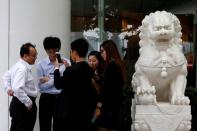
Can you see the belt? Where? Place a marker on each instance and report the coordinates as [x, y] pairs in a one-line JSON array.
[[32, 98], [49, 95]]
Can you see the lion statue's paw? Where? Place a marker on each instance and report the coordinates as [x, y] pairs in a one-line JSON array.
[[146, 96], [176, 100], [145, 90]]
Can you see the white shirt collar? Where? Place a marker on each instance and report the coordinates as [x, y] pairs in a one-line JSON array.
[[26, 64]]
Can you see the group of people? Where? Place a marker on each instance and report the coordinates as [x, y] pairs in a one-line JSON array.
[[76, 94]]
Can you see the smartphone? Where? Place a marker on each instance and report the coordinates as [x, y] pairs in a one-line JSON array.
[[59, 57]]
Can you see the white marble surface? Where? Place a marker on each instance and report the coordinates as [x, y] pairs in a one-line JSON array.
[[161, 117], [161, 70], [159, 80]]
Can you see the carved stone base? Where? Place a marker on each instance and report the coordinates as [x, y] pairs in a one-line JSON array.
[[161, 117]]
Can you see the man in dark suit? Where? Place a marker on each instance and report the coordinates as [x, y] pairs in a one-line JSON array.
[[78, 94]]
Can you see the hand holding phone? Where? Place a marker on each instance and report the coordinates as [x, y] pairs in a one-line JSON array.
[[59, 57]]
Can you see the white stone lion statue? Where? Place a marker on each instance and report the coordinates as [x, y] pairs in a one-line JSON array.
[[161, 69]]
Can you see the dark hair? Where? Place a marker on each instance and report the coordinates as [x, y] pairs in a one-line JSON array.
[[80, 46], [113, 55], [101, 62], [52, 43], [25, 49], [111, 51]]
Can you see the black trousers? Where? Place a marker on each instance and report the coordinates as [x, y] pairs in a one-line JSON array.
[[69, 117], [66, 125], [22, 118], [47, 105]]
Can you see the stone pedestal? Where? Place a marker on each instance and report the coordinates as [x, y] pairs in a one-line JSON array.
[[161, 117]]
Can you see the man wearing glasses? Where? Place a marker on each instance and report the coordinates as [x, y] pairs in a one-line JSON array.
[[19, 83]]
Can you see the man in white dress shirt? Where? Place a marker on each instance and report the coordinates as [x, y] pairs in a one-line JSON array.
[[19, 83]]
